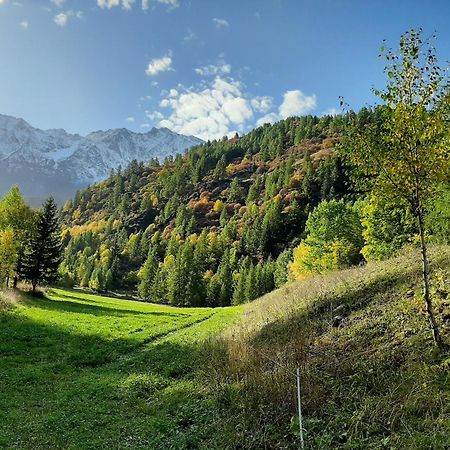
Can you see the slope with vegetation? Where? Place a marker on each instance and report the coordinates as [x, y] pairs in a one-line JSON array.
[[371, 378], [83, 371], [219, 221]]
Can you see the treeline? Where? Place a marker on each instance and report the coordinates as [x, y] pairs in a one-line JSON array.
[[30, 241]]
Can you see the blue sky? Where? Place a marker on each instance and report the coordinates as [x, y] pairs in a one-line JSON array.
[[201, 67]]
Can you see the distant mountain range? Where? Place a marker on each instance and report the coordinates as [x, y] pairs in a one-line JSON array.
[[54, 162]]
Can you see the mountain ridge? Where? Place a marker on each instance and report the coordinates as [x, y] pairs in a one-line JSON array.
[[55, 162]]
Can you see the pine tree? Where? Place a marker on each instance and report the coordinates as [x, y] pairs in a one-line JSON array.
[[239, 291], [235, 192], [42, 254]]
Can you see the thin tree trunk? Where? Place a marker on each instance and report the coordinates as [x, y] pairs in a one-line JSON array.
[[34, 287], [426, 281]]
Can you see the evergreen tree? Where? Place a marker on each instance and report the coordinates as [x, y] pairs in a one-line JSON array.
[[220, 170], [148, 274], [235, 192], [239, 291], [42, 254]]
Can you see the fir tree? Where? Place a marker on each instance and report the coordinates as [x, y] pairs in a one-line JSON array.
[[42, 254]]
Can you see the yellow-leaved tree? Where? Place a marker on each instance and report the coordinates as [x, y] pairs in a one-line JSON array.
[[404, 153]]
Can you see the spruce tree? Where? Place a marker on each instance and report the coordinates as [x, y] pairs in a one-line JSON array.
[[42, 254]]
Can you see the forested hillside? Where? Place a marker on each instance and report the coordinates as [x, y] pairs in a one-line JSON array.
[[214, 227]]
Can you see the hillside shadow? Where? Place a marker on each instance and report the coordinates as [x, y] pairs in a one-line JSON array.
[[87, 308], [374, 374], [321, 313]]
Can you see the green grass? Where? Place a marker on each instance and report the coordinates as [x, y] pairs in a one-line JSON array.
[[82, 371]]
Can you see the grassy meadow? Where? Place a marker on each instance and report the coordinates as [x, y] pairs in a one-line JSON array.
[[83, 371]]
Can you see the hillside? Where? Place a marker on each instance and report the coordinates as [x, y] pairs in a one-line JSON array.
[[230, 210], [371, 377], [82, 371], [54, 162]]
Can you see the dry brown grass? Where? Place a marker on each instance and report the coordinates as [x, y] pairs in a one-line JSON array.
[[9, 297]]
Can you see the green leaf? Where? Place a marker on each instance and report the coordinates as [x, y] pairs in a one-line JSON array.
[[295, 426]]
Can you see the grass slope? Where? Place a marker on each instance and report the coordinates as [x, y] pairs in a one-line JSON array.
[[83, 371], [372, 382]]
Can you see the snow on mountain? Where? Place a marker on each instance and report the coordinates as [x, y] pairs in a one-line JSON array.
[[54, 162]]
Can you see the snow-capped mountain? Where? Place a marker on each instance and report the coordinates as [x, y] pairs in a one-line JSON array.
[[54, 162]]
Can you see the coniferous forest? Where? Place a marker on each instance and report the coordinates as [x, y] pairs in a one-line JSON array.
[[212, 228]]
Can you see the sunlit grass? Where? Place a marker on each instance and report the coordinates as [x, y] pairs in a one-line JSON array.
[[85, 371]]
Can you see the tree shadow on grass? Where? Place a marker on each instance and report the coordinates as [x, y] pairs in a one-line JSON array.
[[87, 308]]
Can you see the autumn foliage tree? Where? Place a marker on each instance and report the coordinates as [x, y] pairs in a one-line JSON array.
[[404, 154]]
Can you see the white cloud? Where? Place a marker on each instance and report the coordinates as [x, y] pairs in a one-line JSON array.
[[108, 3], [62, 18], [24, 24], [221, 106], [296, 103], [130, 119], [126, 4], [190, 36], [154, 115], [262, 104], [2, 2], [212, 69], [220, 23], [158, 65], [171, 3], [268, 118], [209, 112], [58, 3]]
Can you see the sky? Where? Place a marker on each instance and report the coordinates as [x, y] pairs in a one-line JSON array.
[[206, 68]]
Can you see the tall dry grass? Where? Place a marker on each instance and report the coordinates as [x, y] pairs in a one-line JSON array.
[[9, 298], [253, 364]]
